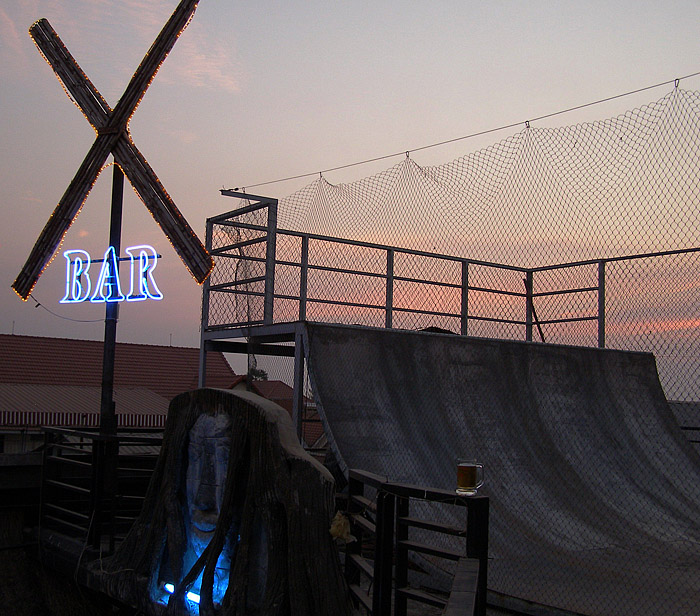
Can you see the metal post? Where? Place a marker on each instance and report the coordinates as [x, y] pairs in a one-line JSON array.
[[384, 552], [298, 400], [108, 418], [601, 304], [304, 277], [270, 257], [478, 545], [528, 306], [401, 570], [202, 376], [105, 451], [465, 298], [389, 288], [204, 324]]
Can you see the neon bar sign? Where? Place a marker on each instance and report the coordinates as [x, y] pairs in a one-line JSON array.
[[108, 285]]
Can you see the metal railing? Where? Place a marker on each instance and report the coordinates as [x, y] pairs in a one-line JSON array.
[[277, 260], [73, 499], [240, 241], [381, 552], [250, 243], [266, 275]]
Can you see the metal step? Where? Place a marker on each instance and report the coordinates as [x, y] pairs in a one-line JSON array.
[[422, 596], [424, 548], [361, 596], [362, 563]]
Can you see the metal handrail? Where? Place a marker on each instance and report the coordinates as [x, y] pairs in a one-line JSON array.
[[72, 500], [391, 512], [385, 273]]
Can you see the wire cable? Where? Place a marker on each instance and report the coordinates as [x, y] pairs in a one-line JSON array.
[[60, 316], [472, 135]]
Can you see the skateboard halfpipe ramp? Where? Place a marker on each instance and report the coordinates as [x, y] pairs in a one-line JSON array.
[[595, 493]]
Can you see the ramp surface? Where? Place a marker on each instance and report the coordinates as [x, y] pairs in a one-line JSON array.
[[595, 492]]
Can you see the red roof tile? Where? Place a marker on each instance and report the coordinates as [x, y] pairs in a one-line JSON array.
[[164, 370], [281, 393], [30, 406]]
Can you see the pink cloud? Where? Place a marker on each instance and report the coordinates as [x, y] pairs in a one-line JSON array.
[[205, 62], [185, 136], [31, 197], [201, 59], [650, 326], [12, 46], [10, 31], [115, 35]]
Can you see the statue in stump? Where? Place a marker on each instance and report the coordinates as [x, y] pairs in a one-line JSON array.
[[236, 519]]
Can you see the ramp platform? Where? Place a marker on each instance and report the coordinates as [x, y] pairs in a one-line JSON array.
[[595, 491]]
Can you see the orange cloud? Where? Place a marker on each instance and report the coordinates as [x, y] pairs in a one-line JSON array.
[[206, 63], [652, 326], [10, 33]]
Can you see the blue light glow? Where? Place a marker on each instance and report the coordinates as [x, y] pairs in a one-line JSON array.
[[143, 285], [108, 280], [77, 265], [143, 260], [194, 597]]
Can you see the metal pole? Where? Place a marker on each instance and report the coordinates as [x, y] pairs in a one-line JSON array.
[[304, 277], [465, 299], [532, 313], [528, 306], [298, 400], [389, 314], [601, 304], [204, 324], [478, 545], [108, 418], [270, 256], [105, 451]]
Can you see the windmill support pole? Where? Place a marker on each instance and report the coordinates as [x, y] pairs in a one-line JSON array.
[[108, 418], [106, 451], [111, 125]]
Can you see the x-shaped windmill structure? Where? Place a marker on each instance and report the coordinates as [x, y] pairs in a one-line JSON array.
[[111, 126]]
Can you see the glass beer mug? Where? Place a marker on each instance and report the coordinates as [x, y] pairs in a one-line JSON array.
[[470, 476]]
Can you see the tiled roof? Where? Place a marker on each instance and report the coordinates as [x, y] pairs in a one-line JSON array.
[[277, 391], [281, 393], [31, 406], [313, 430], [164, 370], [64, 376]]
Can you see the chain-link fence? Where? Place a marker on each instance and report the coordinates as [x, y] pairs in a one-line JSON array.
[[540, 198], [643, 302], [584, 235]]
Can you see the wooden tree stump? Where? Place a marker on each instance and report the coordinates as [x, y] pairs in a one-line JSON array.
[[237, 514]]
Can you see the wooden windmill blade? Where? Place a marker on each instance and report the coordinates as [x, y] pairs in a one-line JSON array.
[[63, 215], [163, 209], [112, 137], [126, 154], [76, 82]]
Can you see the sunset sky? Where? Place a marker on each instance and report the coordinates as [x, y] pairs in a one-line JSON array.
[[257, 91]]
